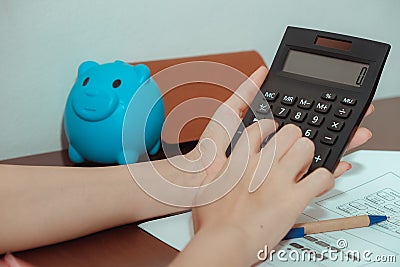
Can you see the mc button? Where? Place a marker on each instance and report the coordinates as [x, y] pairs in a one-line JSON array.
[[271, 96]]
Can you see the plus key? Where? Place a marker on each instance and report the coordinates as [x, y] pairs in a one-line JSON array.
[[319, 158]]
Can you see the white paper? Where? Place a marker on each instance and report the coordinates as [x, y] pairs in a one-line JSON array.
[[372, 186]]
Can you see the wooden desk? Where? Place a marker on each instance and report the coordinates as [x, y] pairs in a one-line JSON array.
[[130, 246]]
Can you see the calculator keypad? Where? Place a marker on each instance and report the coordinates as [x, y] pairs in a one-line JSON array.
[[320, 120]]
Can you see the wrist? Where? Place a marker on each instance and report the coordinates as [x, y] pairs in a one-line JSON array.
[[185, 170], [219, 246]]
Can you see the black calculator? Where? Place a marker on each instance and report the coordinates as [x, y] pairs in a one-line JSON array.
[[322, 82]]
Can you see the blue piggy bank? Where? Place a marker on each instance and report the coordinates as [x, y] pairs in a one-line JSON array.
[[113, 114]]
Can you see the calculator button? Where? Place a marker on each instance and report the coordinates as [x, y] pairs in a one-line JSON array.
[[288, 100], [281, 112], [262, 107], [322, 107], [349, 101], [305, 103], [328, 139], [335, 125], [319, 158], [271, 96], [328, 96], [343, 112], [310, 133], [298, 116], [315, 120]]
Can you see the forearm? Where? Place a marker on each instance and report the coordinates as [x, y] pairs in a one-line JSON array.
[[45, 205]]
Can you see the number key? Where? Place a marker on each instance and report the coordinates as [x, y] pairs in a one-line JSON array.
[[298, 116], [281, 112], [315, 120], [310, 133]]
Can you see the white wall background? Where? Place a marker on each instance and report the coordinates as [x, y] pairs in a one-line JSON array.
[[43, 42]]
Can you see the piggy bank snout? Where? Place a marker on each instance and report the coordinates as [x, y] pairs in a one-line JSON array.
[[94, 104], [92, 92]]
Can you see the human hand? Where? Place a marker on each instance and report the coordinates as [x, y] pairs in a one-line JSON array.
[[282, 195], [226, 120], [264, 216]]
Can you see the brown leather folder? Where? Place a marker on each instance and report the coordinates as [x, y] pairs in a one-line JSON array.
[[194, 87]]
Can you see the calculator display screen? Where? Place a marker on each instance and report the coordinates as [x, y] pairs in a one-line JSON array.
[[325, 68]]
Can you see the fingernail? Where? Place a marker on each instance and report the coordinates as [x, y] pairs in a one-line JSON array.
[[349, 167]]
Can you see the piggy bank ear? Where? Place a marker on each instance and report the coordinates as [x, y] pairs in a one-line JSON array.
[[85, 66], [143, 72]]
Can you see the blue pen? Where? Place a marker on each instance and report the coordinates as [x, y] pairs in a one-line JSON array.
[[302, 229]]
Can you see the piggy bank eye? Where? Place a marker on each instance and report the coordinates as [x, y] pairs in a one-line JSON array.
[[116, 83], [85, 82]]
